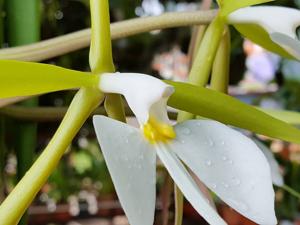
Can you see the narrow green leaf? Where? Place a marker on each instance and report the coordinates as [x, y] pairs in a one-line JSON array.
[[228, 110], [228, 6], [26, 78], [284, 115]]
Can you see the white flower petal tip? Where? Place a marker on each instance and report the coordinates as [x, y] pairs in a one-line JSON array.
[[278, 24], [188, 186], [277, 177], [145, 94], [230, 164], [132, 166]]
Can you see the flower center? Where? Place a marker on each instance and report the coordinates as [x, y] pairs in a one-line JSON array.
[[155, 131]]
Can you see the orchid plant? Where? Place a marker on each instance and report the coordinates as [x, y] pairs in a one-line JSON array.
[[230, 164]]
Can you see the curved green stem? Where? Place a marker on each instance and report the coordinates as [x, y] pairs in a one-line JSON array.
[[81, 39], [23, 194], [178, 205]]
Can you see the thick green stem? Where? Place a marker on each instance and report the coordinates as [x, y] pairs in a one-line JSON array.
[[101, 60], [85, 101], [24, 28], [201, 68], [220, 72]]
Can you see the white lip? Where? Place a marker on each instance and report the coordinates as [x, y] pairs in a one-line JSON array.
[[144, 94]]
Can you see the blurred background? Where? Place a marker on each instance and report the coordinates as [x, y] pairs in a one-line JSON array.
[[80, 191]]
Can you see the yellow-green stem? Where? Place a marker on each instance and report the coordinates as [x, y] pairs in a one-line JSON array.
[[100, 49], [178, 205], [220, 71], [101, 53], [84, 102], [201, 68]]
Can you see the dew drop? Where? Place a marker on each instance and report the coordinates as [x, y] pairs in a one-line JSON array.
[[208, 163], [222, 143], [214, 186], [182, 141], [126, 141], [224, 158], [210, 143], [230, 162], [236, 181], [186, 131]]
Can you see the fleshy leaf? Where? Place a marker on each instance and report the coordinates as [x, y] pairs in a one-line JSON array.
[[26, 78], [228, 110], [272, 27], [131, 163], [229, 6], [230, 164], [275, 170], [187, 185]]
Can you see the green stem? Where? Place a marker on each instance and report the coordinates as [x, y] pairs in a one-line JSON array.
[[101, 60], [291, 191], [84, 102], [178, 205], [81, 39], [220, 72], [201, 68], [24, 28], [2, 157], [100, 49]]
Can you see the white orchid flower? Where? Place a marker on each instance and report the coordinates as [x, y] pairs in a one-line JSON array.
[[272, 27], [227, 162]]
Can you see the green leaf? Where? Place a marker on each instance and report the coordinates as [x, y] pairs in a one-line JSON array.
[[284, 115], [26, 78], [228, 110], [229, 6]]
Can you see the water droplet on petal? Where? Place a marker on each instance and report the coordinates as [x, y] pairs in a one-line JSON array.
[[208, 163], [235, 181], [222, 143], [182, 141], [210, 142], [230, 162], [126, 141], [214, 186], [224, 158], [186, 131]]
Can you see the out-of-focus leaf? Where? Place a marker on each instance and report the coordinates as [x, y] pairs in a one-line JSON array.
[[228, 110], [284, 115], [25, 78]]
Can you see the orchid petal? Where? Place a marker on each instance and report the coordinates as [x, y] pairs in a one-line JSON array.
[[230, 164], [272, 27], [275, 169], [187, 185], [131, 163], [27, 78], [144, 94]]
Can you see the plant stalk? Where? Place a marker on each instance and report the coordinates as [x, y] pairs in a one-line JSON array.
[[84, 102], [24, 28]]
